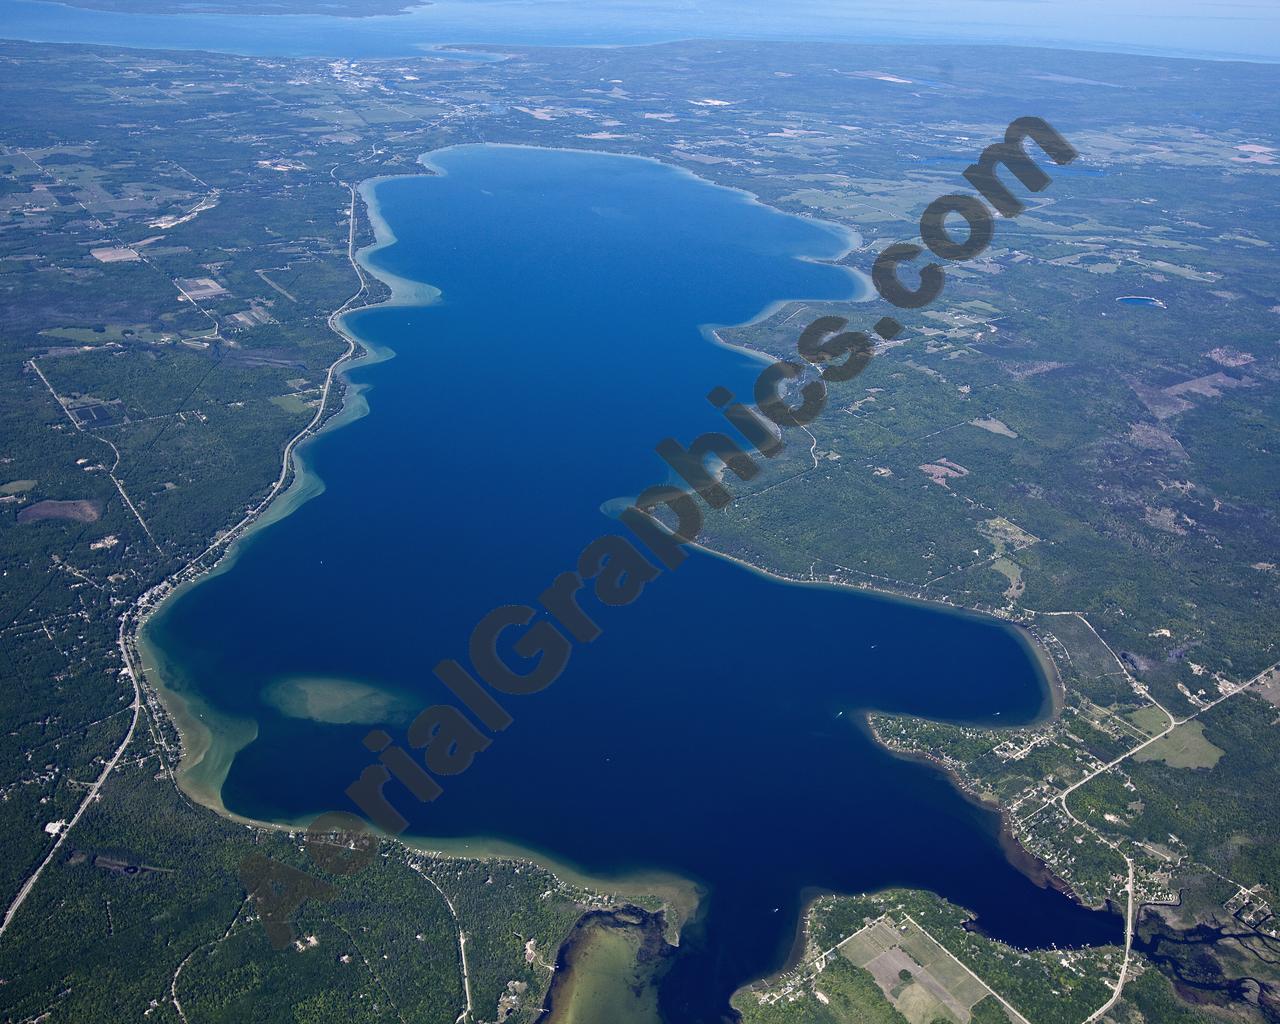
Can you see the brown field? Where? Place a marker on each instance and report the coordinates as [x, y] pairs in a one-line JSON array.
[[114, 254], [78, 511], [937, 986]]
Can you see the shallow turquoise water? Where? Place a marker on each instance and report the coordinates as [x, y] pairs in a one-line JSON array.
[[710, 731]]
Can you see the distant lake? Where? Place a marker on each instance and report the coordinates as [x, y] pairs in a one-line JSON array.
[[1181, 28], [712, 732]]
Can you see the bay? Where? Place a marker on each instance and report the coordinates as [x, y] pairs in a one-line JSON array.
[[1184, 28]]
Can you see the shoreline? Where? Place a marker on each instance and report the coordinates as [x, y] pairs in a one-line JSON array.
[[1054, 688], [205, 756], [1018, 855], [850, 237], [678, 897], [296, 484]]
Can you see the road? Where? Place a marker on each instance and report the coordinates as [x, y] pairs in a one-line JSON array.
[[1060, 800], [134, 617], [93, 791], [115, 451], [468, 1012]]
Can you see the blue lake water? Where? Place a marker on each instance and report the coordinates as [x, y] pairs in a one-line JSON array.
[[712, 730], [1182, 28]]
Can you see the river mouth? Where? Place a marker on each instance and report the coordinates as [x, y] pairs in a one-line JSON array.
[[712, 730]]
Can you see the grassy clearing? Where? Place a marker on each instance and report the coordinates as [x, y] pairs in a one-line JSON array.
[[109, 332], [1150, 720], [292, 403], [1185, 747]]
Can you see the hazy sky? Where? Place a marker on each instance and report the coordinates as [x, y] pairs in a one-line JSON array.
[[1247, 29]]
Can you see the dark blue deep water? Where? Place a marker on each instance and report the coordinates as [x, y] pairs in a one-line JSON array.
[[712, 730]]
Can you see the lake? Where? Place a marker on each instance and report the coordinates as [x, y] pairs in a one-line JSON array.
[[1184, 28], [712, 731]]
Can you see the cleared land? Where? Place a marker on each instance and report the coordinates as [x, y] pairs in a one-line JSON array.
[[922, 980], [1185, 747]]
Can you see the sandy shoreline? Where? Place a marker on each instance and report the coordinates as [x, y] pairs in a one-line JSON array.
[[207, 753]]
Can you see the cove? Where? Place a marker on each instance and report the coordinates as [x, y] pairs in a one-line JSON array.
[[712, 732]]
